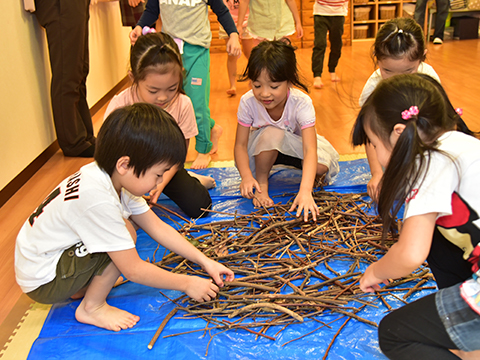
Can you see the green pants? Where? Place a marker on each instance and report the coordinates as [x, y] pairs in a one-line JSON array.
[[196, 61]]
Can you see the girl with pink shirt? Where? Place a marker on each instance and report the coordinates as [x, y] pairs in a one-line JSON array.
[[157, 75], [276, 125]]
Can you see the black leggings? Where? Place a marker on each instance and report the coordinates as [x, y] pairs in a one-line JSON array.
[[189, 194], [415, 331]]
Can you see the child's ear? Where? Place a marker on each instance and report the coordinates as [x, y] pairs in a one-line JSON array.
[[397, 131], [130, 75], [122, 165]]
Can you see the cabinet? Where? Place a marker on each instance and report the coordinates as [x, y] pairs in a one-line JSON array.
[[368, 16]]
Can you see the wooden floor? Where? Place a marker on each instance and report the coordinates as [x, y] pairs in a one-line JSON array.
[[456, 62]]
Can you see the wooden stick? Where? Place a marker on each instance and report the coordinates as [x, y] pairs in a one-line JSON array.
[[160, 328]]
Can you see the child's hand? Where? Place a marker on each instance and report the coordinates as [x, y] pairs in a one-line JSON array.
[[246, 187], [369, 282], [304, 202], [373, 187], [135, 34], [217, 271], [299, 30], [233, 45], [200, 289], [134, 3], [154, 195]]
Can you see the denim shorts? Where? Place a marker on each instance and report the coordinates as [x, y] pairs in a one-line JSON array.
[[460, 321]]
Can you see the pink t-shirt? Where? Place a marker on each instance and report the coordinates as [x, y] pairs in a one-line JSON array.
[[181, 110], [298, 113]]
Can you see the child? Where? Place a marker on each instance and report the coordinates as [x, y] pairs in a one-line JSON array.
[[328, 16], [276, 125], [80, 239], [434, 170], [270, 19], [156, 72], [189, 25], [247, 44], [399, 48]]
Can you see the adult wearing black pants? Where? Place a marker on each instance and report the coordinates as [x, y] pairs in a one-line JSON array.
[[440, 17], [66, 25]]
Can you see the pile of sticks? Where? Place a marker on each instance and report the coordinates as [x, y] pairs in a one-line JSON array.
[[285, 267]]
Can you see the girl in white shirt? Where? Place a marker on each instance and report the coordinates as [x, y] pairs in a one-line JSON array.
[[276, 125], [432, 165], [399, 48]]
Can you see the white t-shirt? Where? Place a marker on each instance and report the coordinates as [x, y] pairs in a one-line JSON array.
[[330, 7], [181, 110], [298, 113], [376, 77], [84, 208], [444, 177]]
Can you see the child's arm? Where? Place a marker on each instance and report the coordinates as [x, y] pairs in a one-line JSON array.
[[225, 19], [292, 5], [148, 18], [169, 238], [242, 12], [304, 199], [404, 256], [376, 170], [243, 163], [142, 272]]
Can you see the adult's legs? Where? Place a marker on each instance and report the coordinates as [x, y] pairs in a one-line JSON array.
[[440, 18], [66, 25], [415, 331], [419, 14]]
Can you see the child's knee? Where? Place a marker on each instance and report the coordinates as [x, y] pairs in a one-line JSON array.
[[321, 169]]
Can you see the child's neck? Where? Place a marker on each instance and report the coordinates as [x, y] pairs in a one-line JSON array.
[[277, 112]]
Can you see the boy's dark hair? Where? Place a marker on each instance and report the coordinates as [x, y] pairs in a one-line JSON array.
[[278, 59], [145, 133], [398, 38], [155, 52], [410, 157]]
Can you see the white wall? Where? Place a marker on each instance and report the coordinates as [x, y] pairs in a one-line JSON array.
[[26, 124]]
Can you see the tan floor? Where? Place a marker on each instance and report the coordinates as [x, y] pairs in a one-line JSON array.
[[456, 62]]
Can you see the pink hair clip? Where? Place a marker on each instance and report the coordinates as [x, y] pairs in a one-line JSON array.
[[147, 30], [407, 114], [459, 111]]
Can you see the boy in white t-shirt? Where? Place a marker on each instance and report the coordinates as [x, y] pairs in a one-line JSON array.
[[80, 239]]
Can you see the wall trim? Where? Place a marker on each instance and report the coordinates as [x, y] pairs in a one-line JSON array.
[[13, 186]]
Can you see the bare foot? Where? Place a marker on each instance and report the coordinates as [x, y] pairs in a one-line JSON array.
[[215, 134], [232, 91], [106, 317], [317, 82], [262, 199], [206, 181], [202, 161], [334, 77]]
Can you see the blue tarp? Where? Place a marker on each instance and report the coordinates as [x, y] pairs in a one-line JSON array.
[[62, 336]]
